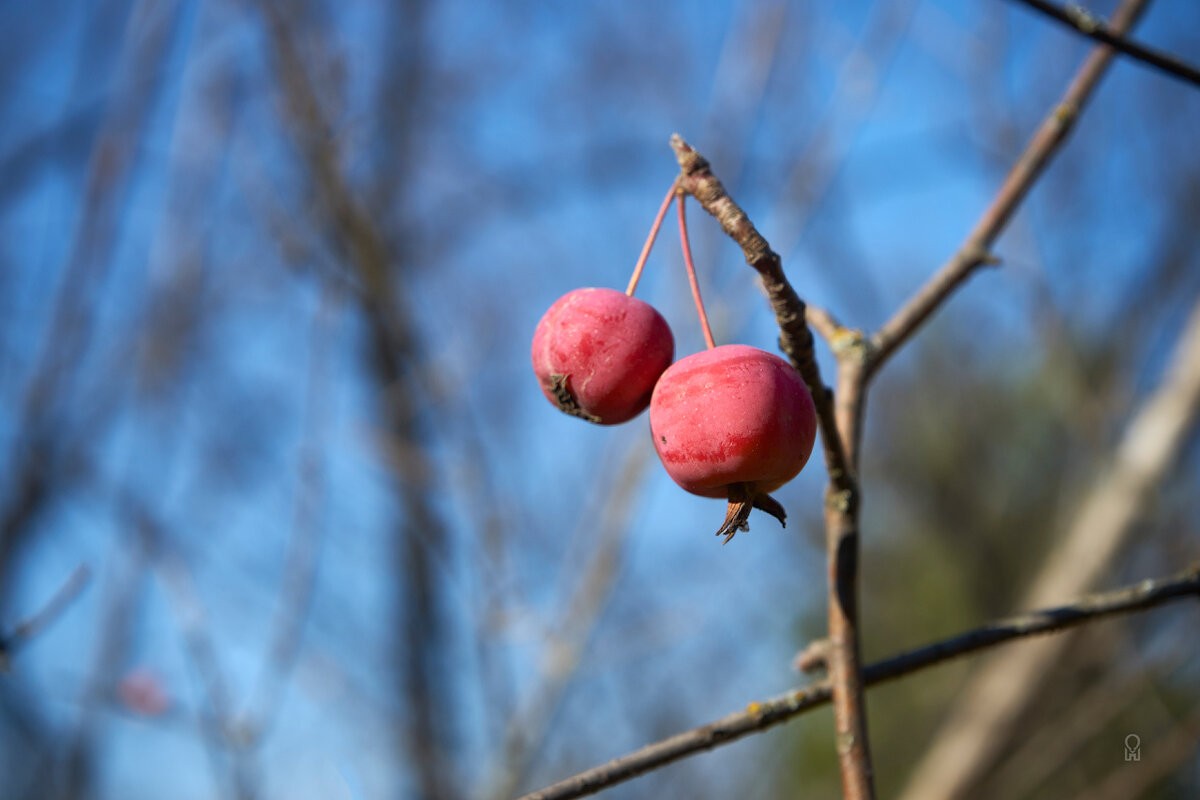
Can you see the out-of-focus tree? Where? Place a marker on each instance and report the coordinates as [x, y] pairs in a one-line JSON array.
[[268, 274]]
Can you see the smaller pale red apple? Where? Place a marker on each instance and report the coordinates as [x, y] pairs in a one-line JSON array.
[[597, 354]]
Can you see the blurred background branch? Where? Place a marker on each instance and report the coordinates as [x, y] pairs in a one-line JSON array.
[[976, 249], [31, 626], [989, 704], [1078, 19]]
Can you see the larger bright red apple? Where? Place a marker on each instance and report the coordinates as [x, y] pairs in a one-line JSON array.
[[734, 422]]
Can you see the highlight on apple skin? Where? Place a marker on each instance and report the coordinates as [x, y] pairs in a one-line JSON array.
[[598, 353], [734, 422]]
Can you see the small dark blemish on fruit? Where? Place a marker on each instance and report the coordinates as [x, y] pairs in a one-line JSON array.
[[663, 439]]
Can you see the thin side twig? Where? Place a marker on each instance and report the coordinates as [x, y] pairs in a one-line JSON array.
[[975, 250], [824, 323], [31, 626], [224, 731], [1081, 21], [757, 717], [299, 583], [563, 654]]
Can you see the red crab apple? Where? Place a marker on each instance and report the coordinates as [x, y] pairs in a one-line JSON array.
[[734, 422], [598, 352]]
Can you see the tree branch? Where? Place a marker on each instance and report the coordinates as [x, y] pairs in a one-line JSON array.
[[377, 262], [25, 630], [974, 252], [844, 658], [840, 424], [1081, 21], [858, 359], [757, 717]]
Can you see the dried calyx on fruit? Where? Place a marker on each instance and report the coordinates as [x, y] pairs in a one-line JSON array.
[[734, 422], [597, 353]]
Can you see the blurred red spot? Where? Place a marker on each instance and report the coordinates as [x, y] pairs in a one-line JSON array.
[[142, 692]]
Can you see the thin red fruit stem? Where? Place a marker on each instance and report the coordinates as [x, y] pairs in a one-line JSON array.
[[641, 262], [691, 271]]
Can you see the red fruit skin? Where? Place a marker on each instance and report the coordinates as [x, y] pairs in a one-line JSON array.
[[604, 351], [733, 414]]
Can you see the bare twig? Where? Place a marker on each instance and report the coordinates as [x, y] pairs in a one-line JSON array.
[[299, 582], [813, 658], [835, 128], [373, 259], [741, 79], [757, 717], [49, 439], [840, 425], [975, 250], [824, 323], [1080, 20], [114, 626], [31, 626], [153, 551], [561, 658], [225, 733]]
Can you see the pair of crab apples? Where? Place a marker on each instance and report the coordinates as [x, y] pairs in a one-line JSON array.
[[730, 422]]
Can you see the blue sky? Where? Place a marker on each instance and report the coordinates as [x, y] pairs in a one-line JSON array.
[[540, 157]]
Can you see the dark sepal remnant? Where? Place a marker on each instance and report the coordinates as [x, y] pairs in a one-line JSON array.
[[737, 513], [565, 400]]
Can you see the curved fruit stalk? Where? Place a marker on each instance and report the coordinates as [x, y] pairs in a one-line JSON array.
[[597, 354], [734, 422]]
